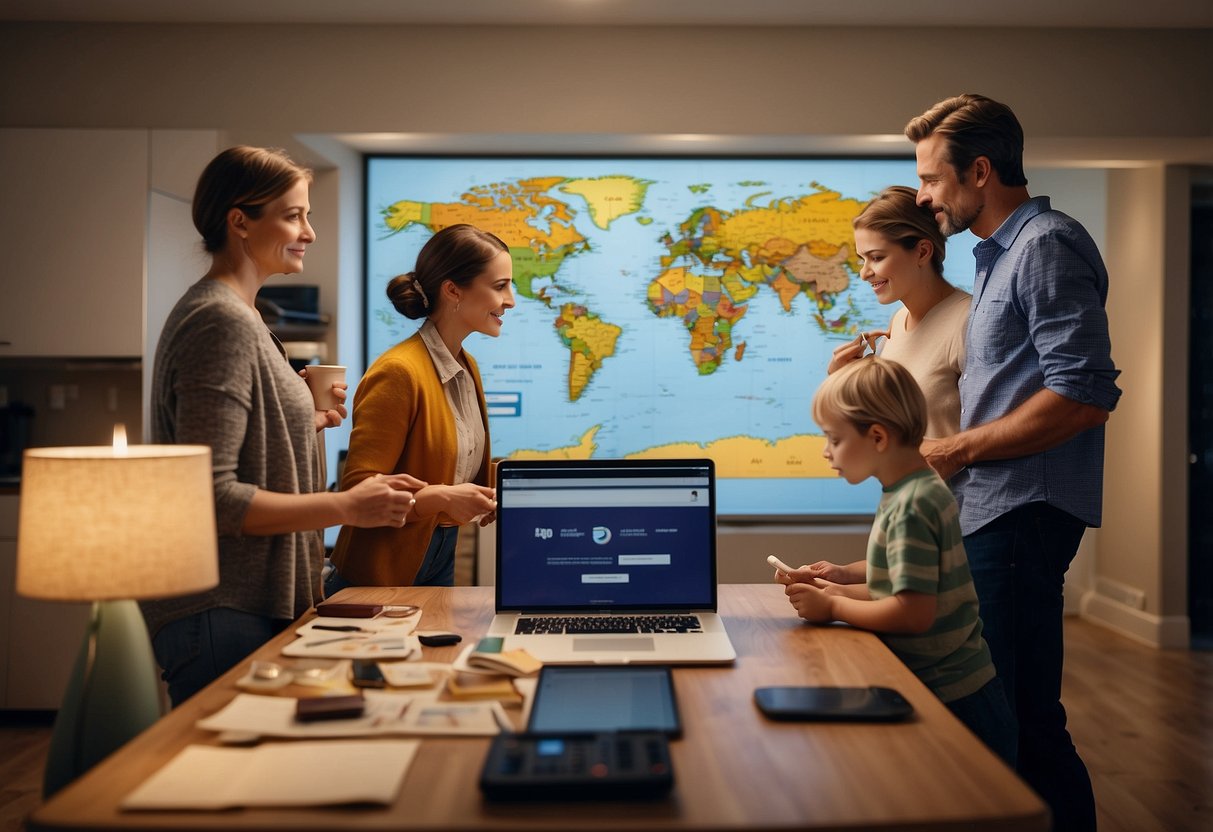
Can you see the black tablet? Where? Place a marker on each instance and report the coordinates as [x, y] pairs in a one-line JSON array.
[[576, 699]]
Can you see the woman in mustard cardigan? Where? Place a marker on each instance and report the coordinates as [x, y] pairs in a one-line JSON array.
[[420, 409]]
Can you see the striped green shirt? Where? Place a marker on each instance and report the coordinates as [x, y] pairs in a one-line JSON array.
[[916, 546]]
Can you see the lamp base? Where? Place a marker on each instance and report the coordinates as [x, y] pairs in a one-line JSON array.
[[113, 694]]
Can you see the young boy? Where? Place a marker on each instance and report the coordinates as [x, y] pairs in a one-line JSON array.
[[914, 589]]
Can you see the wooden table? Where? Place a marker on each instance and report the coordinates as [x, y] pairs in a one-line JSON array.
[[733, 768]]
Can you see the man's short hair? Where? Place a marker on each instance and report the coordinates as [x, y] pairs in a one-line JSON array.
[[972, 126], [875, 391]]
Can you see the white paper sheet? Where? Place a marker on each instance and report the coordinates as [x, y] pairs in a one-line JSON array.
[[278, 774], [390, 646], [381, 624], [386, 713]]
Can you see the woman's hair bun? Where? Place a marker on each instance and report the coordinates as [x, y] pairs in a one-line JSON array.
[[407, 296]]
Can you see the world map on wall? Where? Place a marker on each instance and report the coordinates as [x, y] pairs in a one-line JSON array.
[[665, 307]]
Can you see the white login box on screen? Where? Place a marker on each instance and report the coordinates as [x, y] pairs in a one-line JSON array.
[[644, 560]]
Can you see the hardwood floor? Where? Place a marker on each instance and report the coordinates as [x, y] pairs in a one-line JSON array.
[[24, 736], [1140, 718]]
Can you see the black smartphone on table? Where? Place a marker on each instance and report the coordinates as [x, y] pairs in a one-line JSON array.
[[365, 673], [854, 704]]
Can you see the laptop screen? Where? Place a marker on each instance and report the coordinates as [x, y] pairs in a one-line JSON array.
[[606, 535]]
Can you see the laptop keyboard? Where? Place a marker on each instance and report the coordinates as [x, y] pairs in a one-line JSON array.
[[608, 624]]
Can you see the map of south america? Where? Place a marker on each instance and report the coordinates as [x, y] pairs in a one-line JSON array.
[[540, 234]]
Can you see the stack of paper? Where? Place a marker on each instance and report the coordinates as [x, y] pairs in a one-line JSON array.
[[279, 774]]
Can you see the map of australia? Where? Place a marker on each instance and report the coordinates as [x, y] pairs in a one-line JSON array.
[[669, 307]]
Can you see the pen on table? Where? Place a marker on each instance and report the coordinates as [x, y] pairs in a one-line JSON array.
[[340, 628]]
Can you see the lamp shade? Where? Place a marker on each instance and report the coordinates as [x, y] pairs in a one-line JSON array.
[[101, 523]]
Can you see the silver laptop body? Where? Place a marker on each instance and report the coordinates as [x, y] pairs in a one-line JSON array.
[[609, 562]]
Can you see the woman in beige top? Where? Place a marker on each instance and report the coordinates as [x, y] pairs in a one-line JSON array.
[[901, 250]]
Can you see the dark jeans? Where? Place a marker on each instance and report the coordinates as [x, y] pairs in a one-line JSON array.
[[194, 651], [437, 567], [988, 715], [1019, 563]]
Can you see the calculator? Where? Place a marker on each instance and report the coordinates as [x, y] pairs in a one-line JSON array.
[[589, 766]]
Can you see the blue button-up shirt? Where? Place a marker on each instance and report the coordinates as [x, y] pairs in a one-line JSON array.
[[1037, 321]]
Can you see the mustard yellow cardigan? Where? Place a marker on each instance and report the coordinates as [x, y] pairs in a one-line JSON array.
[[402, 424]]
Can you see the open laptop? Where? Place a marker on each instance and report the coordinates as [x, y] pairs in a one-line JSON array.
[[609, 561]]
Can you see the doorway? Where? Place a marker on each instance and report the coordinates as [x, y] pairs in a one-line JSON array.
[[1200, 418]]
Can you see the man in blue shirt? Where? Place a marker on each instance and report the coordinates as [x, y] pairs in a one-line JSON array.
[[1037, 387]]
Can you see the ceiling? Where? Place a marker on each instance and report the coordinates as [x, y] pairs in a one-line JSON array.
[[935, 13], [1111, 14]]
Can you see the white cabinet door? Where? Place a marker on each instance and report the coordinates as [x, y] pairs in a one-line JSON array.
[[73, 218], [39, 640], [8, 578], [8, 571], [45, 638]]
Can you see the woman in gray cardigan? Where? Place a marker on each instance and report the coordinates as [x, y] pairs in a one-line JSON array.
[[222, 379]]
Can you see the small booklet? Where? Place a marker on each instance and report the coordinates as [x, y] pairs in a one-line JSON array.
[[473, 686], [488, 656]]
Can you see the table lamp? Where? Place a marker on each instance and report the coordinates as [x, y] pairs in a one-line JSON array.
[[111, 526]]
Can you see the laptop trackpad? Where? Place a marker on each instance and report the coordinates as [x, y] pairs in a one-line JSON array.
[[622, 644]]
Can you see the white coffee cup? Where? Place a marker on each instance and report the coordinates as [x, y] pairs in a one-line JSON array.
[[321, 378]]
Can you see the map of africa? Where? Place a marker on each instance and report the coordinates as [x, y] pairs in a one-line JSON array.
[[665, 307]]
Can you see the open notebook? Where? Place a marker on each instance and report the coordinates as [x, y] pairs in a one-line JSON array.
[[609, 561]]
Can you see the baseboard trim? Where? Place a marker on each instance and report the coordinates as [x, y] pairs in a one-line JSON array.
[[1154, 630]]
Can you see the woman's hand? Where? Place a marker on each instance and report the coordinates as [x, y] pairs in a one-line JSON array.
[[381, 500], [854, 350], [333, 417], [462, 503]]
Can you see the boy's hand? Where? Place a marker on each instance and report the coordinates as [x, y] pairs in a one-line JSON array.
[[824, 570], [811, 602]]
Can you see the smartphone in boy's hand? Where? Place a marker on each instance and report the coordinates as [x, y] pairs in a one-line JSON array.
[[780, 565]]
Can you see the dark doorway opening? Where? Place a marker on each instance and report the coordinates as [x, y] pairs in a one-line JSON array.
[[1200, 421]]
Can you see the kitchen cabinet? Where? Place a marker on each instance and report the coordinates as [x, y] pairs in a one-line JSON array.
[[39, 640], [73, 219]]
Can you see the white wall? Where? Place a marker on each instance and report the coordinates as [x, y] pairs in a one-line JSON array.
[[785, 81], [1142, 577]]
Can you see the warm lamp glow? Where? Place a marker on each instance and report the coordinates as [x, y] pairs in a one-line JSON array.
[[100, 523]]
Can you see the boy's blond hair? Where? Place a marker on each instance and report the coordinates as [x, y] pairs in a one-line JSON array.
[[875, 391]]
